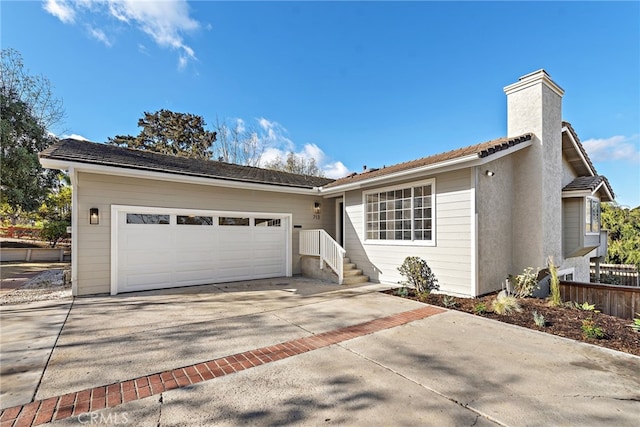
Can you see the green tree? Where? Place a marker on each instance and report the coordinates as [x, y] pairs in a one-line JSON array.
[[295, 163], [23, 181], [27, 109], [168, 132], [623, 225]]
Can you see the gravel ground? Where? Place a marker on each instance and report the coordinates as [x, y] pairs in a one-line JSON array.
[[48, 285]]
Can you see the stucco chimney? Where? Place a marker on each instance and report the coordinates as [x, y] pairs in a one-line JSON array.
[[534, 104]]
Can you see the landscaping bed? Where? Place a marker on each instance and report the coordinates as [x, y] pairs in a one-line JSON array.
[[565, 321]]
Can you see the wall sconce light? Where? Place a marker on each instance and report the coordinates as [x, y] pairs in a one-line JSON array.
[[94, 216], [316, 207], [489, 173]]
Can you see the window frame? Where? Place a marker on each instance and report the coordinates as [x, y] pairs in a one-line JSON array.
[[589, 202], [404, 186]]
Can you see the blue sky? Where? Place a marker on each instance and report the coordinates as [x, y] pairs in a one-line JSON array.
[[349, 83]]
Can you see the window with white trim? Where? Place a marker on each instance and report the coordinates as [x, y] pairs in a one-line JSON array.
[[592, 215], [404, 213]]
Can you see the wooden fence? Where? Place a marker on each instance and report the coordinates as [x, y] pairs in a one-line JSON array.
[[616, 274], [619, 301]]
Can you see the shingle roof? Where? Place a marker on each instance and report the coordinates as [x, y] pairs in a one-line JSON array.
[[481, 150], [109, 155], [580, 146], [587, 183], [584, 182]]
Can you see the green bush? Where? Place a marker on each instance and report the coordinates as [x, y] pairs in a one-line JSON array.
[[636, 323], [591, 330], [480, 308], [54, 231], [585, 306], [449, 301], [419, 275], [539, 319], [402, 292]]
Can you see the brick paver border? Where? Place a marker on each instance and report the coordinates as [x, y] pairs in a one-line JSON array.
[[109, 396]]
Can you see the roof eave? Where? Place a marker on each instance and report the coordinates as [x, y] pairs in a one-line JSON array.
[[565, 129], [444, 166], [51, 163]]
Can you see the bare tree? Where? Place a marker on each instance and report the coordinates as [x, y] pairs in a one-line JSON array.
[[35, 92], [295, 163], [236, 144]]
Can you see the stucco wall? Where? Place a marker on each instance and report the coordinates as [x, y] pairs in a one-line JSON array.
[[451, 257], [101, 191], [495, 203], [537, 222]]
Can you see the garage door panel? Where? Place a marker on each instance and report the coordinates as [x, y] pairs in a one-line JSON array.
[[194, 277], [148, 280], [194, 256], [147, 239], [152, 256]]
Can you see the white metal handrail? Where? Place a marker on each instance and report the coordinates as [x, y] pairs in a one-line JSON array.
[[319, 243]]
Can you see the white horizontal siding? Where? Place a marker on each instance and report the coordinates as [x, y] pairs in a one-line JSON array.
[[450, 258]]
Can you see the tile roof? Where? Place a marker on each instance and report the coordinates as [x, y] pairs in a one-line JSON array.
[[587, 183], [481, 150], [109, 155]]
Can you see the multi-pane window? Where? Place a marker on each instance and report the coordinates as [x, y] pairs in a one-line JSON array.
[[592, 215], [400, 214]]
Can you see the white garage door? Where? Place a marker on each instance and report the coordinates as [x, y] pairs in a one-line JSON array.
[[162, 248]]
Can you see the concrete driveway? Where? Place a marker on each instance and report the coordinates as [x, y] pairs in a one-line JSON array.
[[297, 351]]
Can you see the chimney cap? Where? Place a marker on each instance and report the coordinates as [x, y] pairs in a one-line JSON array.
[[537, 77]]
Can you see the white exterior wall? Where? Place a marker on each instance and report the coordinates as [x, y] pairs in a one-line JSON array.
[[93, 262], [452, 257], [534, 104], [495, 202]]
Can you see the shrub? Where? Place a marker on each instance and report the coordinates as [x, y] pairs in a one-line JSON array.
[[585, 306], [402, 292], [480, 308], [449, 301], [555, 300], [636, 323], [591, 330], [524, 284], [505, 304], [54, 231], [539, 319], [418, 274]]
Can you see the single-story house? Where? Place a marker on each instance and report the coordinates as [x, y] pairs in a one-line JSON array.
[[143, 220]]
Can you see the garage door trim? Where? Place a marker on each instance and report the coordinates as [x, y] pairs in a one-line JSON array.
[[117, 209]]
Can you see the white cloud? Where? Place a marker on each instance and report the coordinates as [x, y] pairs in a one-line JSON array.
[[276, 143], [335, 170], [165, 22], [98, 34], [61, 9], [614, 148]]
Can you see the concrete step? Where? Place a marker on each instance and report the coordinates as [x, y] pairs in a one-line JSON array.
[[352, 280], [346, 260], [348, 266], [352, 272]]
